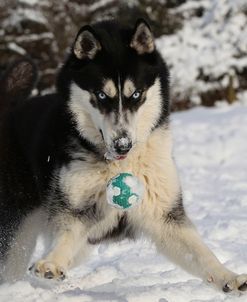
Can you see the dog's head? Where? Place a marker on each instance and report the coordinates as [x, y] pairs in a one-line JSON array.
[[118, 85]]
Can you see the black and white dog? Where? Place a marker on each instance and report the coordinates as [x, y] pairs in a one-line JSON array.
[[110, 114]]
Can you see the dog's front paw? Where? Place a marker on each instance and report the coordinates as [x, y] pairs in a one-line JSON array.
[[239, 282], [48, 270]]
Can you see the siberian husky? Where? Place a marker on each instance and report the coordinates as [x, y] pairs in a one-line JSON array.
[[110, 114]]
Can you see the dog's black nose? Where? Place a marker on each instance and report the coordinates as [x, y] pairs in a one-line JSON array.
[[122, 145]]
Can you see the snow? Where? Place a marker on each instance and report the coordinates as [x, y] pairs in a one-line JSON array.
[[13, 46], [208, 48], [21, 14], [210, 150], [109, 155], [30, 2], [123, 141], [99, 4]]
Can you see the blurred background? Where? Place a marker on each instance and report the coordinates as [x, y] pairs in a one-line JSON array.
[[204, 42]]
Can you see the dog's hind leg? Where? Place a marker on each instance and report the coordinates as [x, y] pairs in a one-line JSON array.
[[70, 239], [176, 237]]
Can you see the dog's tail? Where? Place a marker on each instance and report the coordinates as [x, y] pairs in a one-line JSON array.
[[17, 83]]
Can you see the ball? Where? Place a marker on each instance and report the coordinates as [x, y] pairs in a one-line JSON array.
[[124, 191]]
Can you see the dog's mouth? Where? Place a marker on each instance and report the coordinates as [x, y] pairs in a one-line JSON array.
[[111, 155], [121, 157]]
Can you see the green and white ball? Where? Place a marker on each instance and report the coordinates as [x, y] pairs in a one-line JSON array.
[[124, 191]]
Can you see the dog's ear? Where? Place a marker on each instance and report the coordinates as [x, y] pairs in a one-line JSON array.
[[86, 44], [142, 40], [17, 83], [20, 79]]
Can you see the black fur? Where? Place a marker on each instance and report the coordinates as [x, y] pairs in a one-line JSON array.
[[177, 214], [16, 85]]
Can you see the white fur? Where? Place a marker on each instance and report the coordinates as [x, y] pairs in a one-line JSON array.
[[89, 119], [129, 88], [86, 116], [87, 181], [109, 88]]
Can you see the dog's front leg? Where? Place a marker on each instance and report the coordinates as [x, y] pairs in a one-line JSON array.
[[68, 242], [177, 238]]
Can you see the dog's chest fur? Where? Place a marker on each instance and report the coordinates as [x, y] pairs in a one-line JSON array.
[[84, 182]]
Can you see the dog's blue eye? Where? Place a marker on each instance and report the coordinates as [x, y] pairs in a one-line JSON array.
[[136, 95], [101, 95]]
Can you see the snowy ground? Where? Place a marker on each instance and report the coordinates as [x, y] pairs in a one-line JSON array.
[[211, 153]]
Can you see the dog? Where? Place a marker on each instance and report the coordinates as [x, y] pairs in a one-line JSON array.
[[110, 114]]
